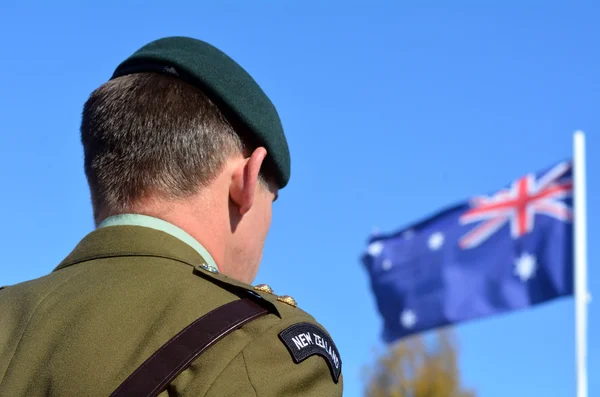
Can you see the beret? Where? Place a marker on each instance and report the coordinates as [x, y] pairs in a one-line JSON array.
[[226, 83]]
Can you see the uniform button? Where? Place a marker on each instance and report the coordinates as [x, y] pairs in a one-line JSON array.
[[264, 288], [208, 268], [287, 299]]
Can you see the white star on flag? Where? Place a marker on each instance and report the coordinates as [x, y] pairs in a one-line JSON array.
[[386, 264], [525, 266], [375, 248], [408, 319], [436, 240]]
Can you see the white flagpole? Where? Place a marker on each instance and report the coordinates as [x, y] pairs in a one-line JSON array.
[[580, 256]]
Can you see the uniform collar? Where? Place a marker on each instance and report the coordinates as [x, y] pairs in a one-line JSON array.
[[164, 226], [128, 240]]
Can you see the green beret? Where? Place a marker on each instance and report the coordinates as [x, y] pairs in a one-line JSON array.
[[226, 83]]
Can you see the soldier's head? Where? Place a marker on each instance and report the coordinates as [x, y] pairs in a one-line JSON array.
[[159, 141]]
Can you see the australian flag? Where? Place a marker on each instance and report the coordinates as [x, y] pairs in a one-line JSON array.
[[485, 256]]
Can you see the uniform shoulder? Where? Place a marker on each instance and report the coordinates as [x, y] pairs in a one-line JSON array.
[[305, 338], [284, 305], [31, 291], [291, 355], [289, 348]]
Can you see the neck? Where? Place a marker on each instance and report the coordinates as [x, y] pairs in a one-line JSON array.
[[200, 217]]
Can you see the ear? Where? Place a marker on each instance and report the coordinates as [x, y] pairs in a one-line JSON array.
[[244, 181]]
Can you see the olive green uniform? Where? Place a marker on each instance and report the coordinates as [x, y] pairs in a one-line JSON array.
[[117, 298]]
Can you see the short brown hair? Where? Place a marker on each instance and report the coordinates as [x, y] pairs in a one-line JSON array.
[[151, 133]]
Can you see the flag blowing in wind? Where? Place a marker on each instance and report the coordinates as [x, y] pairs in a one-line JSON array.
[[487, 255]]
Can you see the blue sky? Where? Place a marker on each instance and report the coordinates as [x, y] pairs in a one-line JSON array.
[[391, 111]]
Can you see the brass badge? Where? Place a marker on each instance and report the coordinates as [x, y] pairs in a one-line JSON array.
[[287, 299], [264, 288]]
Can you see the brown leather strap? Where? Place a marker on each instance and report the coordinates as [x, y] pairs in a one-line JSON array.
[[177, 354]]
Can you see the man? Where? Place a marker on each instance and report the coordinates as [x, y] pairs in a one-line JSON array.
[[184, 155]]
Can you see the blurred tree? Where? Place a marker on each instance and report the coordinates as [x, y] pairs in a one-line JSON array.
[[411, 368]]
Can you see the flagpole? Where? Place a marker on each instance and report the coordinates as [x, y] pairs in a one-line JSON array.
[[580, 256]]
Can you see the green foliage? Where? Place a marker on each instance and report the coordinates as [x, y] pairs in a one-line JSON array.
[[414, 368]]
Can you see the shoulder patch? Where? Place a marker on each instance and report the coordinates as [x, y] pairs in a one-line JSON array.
[[305, 339]]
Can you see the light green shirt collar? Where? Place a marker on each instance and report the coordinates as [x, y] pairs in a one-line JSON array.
[[159, 224]]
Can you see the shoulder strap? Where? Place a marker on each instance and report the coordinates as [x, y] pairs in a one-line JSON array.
[[178, 353]]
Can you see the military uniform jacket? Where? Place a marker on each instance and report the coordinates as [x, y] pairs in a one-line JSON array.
[[125, 291]]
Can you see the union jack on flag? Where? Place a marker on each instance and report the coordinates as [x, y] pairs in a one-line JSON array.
[[519, 204]]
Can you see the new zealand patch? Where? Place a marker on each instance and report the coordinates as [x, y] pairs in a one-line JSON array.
[[305, 339]]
